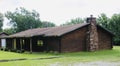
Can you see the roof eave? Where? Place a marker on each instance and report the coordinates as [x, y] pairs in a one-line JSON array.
[[73, 30], [106, 30]]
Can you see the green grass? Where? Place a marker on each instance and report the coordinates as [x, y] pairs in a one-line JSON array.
[[12, 55], [65, 58]]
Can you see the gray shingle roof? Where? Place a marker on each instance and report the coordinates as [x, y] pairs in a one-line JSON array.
[[51, 31]]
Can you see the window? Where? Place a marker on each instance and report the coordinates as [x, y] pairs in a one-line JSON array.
[[40, 43]]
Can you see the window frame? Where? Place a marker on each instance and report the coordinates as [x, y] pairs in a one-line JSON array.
[[40, 42]]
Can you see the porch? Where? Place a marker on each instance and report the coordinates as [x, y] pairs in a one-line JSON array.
[[32, 44]]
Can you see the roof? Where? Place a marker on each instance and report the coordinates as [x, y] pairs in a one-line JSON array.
[[106, 30], [2, 34], [52, 31]]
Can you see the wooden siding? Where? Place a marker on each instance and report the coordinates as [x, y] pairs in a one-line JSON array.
[[52, 44], [9, 43], [35, 46], [105, 39], [74, 41], [49, 44]]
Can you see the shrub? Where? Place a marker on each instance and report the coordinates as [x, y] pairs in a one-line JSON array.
[[18, 51], [56, 52], [13, 50], [1, 49], [22, 51], [6, 49], [51, 51]]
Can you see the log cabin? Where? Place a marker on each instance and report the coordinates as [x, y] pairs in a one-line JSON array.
[[87, 36]]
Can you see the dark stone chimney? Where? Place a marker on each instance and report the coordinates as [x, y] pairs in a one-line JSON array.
[[92, 35]]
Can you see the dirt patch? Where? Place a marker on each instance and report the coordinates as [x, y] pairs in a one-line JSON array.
[[97, 63]]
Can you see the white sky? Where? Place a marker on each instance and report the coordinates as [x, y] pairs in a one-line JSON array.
[[60, 11]]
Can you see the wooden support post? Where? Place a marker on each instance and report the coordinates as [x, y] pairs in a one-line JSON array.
[[20, 44], [14, 43], [30, 45]]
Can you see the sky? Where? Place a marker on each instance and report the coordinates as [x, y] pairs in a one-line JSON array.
[[61, 11]]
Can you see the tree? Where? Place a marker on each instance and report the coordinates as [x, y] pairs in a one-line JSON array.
[[114, 26], [103, 20], [1, 21], [47, 24], [22, 19], [74, 21], [9, 31]]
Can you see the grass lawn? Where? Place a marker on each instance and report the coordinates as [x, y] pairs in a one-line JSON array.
[[65, 58]]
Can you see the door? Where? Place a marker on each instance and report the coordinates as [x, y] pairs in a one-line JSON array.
[[3, 43]]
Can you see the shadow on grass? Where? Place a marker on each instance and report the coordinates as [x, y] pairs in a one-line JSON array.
[[20, 59]]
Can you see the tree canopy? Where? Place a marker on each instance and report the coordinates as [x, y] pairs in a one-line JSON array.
[[73, 21], [47, 24], [103, 20], [112, 24], [1, 21], [22, 19], [9, 31]]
